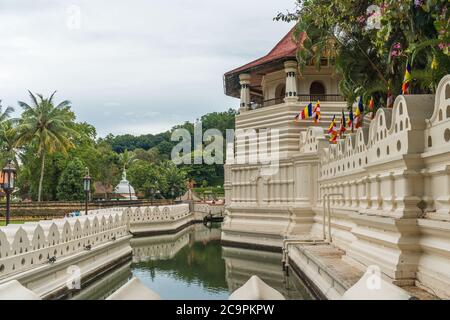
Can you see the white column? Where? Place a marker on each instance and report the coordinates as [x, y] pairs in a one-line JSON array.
[[290, 67], [245, 91]]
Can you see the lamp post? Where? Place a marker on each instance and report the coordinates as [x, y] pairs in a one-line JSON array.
[[172, 193], [157, 193], [9, 175], [151, 196], [87, 188]]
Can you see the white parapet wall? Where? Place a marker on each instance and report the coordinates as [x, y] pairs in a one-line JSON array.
[[395, 181], [146, 221], [203, 210], [53, 257]]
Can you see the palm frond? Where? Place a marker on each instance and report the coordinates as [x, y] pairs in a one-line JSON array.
[[33, 98]]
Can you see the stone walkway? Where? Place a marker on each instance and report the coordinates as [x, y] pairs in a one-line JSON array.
[[330, 259]]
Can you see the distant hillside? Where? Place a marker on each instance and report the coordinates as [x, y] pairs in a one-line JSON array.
[[161, 144]]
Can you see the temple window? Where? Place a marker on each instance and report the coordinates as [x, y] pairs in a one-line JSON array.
[[317, 91], [280, 93]]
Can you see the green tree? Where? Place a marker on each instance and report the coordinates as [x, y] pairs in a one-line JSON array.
[[7, 136], [70, 185], [48, 126], [371, 57], [126, 159], [176, 179], [165, 149], [219, 120], [151, 155], [144, 176], [8, 150], [158, 148]]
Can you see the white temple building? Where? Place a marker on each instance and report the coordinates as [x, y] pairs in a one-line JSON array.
[[388, 183], [124, 189]]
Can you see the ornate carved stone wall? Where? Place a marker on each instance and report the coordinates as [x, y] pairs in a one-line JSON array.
[[45, 255], [394, 179]]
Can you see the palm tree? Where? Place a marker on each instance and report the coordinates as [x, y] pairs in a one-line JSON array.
[[4, 115], [7, 135], [126, 159], [50, 127], [8, 138]]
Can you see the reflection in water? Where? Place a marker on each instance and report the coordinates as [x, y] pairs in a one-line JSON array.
[[103, 288], [241, 264], [187, 265], [193, 265]]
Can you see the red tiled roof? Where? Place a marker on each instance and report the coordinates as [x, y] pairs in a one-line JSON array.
[[285, 48]]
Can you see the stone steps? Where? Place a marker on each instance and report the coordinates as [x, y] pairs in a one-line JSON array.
[[329, 274]]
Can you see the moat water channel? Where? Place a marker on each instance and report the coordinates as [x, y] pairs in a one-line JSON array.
[[193, 265]]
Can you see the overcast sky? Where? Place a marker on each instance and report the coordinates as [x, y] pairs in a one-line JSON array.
[[135, 66]]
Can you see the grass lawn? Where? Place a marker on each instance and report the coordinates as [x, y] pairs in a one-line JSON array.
[[2, 222]]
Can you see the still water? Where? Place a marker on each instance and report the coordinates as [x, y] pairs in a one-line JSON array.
[[193, 265]]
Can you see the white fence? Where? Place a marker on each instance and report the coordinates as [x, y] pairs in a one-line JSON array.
[[33, 244]]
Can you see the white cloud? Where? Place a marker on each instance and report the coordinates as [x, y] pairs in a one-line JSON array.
[[133, 66]]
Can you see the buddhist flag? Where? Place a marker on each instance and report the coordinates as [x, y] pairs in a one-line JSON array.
[[332, 125], [390, 97], [407, 80], [332, 130], [306, 112], [350, 120], [372, 107], [434, 63], [333, 138], [359, 114], [342, 127], [316, 113]]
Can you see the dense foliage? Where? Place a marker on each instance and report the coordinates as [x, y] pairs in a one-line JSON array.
[[52, 151], [371, 41], [69, 186], [157, 148]]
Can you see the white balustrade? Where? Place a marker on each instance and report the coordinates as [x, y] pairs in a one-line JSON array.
[[157, 214], [34, 244], [388, 165]]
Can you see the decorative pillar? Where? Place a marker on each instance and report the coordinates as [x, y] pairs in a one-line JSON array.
[[245, 91], [291, 81], [365, 202], [228, 184]]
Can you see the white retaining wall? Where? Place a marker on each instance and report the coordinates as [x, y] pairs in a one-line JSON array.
[[43, 256], [163, 219]]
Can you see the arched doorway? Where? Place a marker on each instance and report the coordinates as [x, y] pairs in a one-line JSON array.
[[317, 91], [280, 93]]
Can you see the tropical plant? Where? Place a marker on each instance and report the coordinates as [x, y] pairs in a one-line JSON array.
[[126, 159], [5, 115], [371, 41], [47, 126], [70, 187], [176, 179], [7, 136], [145, 176]]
